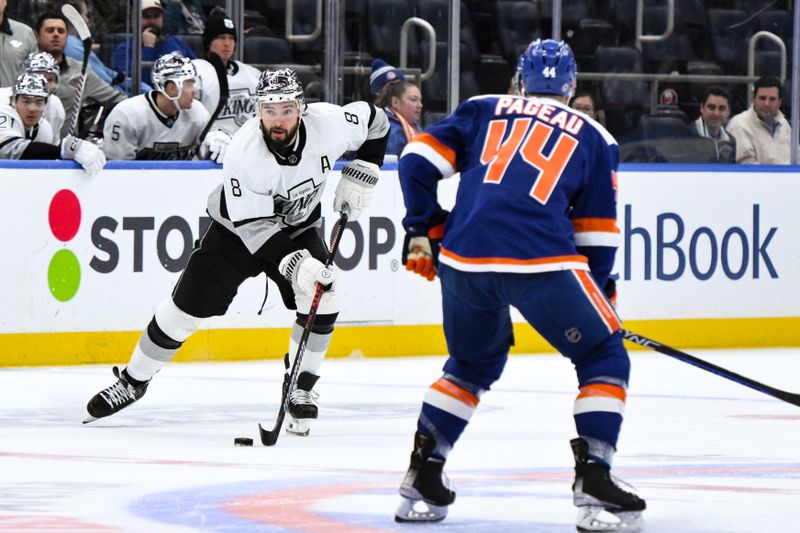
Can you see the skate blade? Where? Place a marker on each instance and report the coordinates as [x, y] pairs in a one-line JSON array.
[[414, 510], [298, 427], [90, 419], [596, 518]]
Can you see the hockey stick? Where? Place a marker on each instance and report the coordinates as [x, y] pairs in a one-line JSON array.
[[85, 35], [788, 397], [224, 94], [269, 438]]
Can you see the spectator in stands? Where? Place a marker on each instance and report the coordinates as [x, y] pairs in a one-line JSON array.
[[763, 136], [584, 102], [184, 16], [715, 108], [400, 99], [382, 74], [43, 64], [51, 36], [155, 43], [74, 49], [26, 134], [16, 42], [219, 38]]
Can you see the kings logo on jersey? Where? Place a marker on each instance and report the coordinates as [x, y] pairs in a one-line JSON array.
[[240, 107], [301, 199]]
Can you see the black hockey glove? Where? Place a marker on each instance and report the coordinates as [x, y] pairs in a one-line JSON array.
[[421, 246]]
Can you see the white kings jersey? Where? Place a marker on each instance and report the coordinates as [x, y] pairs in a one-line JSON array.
[[241, 105], [15, 137], [54, 112], [262, 193], [137, 129]]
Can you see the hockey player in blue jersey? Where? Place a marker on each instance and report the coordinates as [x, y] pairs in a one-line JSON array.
[[534, 227]]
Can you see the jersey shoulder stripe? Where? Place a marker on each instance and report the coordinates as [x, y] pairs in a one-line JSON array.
[[434, 151]]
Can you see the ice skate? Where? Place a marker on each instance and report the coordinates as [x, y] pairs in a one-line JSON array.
[[302, 405], [602, 504], [425, 492], [116, 397]]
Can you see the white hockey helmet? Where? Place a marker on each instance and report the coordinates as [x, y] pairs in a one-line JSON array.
[[42, 62], [172, 67], [30, 85], [280, 85]]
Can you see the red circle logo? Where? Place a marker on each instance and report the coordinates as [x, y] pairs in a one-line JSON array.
[[64, 215]]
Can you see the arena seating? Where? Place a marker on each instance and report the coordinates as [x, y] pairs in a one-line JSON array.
[[710, 37]]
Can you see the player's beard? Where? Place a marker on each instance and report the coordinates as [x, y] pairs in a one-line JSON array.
[[287, 140]]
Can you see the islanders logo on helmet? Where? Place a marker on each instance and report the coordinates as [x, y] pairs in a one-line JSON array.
[[173, 67], [548, 67], [280, 85], [31, 85]]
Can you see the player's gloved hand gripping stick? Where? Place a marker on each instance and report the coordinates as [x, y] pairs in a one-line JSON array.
[[269, 438], [224, 94], [421, 247]]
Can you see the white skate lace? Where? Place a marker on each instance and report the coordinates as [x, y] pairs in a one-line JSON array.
[[118, 394], [300, 396]]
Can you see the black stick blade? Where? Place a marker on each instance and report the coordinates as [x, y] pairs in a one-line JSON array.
[[269, 438]]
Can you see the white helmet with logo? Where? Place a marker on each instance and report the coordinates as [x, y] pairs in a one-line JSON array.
[[172, 67], [31, 85], [280, 85], [42, 62]]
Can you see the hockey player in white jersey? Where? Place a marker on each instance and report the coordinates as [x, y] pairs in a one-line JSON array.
[[219, 37], [26, 134], [267, 218], [165, 123], [44, 64]]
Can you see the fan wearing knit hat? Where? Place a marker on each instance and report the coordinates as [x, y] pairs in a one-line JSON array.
[[382, 74], [220, 37], [400, 99]]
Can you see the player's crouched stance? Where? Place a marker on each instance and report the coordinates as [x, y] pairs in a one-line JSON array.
[[533, 227], [266, 217]]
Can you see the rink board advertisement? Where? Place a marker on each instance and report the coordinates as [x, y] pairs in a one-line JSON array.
[[709, 255]]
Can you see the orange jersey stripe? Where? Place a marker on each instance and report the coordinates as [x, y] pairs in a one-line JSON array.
[[454, 391], [511, 261], [595, 224], [437, 146], [602, 389], [599, 301]]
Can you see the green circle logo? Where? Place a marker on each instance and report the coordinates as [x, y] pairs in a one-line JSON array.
[[64, 275]]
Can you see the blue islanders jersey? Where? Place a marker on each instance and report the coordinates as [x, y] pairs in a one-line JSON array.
[[537, 187]]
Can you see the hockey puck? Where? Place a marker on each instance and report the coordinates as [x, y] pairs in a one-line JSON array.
[[243, 441]]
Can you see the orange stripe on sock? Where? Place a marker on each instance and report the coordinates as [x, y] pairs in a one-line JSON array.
[[601, 304], [602, 389], [454, 391]]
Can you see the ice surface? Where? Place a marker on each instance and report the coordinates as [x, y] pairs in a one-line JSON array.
[[707, 454]]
